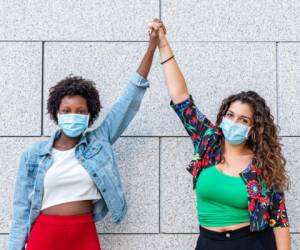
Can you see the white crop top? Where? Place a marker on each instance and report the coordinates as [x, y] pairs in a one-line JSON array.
[[66, 180]]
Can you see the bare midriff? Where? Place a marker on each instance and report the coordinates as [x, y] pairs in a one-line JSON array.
[[70, 208], [227, 228]]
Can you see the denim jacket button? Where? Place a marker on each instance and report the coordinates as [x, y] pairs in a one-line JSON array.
[[104, 190], [94, 174]]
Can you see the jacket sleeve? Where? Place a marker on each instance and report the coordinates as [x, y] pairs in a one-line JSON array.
[[124, 110], [199, 128], [21, 207], [278, 213]]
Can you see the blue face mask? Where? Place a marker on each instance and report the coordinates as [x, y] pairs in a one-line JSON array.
[[73, 125], [233, 132]]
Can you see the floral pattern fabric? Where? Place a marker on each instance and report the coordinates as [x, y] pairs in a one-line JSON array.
[[266, 206]]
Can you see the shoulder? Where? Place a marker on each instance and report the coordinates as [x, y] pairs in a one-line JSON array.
[[33, 151]]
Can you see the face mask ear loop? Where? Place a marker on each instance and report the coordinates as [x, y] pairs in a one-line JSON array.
[[250, 128], [88, 120]]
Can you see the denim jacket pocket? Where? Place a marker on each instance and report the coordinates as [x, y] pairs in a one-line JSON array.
[[93, 150], [32, 168]]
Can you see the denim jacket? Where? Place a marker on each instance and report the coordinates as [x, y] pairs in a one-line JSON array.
[[266, 206], [95, 153]]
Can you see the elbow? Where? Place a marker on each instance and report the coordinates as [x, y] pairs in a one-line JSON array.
[[179, 97]]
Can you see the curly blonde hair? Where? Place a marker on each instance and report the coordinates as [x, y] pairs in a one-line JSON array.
[[263, 139]]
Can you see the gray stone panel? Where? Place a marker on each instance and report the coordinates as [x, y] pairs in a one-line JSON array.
[[76, 20], [178, 199], [149, 241], [176, 186], [20, 85], [138, 163], [232, 20], [110, 65], [212, 71], [292, 154], [289, 88], [10, 153]]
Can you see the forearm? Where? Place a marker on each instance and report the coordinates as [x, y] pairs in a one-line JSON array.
[[282, 237], [174, 79], [146, 63], [123, 110]]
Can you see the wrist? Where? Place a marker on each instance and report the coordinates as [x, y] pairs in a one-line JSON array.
[[151, 48], [163, 44], [162, 41]]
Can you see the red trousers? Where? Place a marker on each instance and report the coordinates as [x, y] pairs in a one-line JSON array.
[[71, 232]]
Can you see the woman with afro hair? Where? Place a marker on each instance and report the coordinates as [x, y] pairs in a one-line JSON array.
[[67, 183], [238, 168]]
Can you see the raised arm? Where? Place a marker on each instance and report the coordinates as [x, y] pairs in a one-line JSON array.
[[146, 62], [173, 77], [195, 123], [128, 104]]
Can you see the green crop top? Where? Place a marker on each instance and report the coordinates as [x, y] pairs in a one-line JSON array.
[[222, 200]]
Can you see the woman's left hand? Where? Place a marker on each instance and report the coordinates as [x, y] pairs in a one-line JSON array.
[[153, 29]]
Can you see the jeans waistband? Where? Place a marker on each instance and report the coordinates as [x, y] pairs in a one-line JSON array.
[[227, 235]]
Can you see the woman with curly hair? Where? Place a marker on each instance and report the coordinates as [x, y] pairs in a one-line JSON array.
[[238, 167], [70, 181]]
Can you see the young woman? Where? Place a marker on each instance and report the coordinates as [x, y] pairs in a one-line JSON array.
[[238, 168], [70, 181]]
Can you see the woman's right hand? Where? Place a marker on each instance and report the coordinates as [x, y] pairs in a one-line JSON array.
[[174, 79]]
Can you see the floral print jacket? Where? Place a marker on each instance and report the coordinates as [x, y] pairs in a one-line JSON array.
[[266, 206]]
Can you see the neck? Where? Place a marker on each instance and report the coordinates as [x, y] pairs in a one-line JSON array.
[[235, 150], [66, 142]]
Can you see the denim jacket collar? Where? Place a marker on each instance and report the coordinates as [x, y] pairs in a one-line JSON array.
[[46, 149]]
